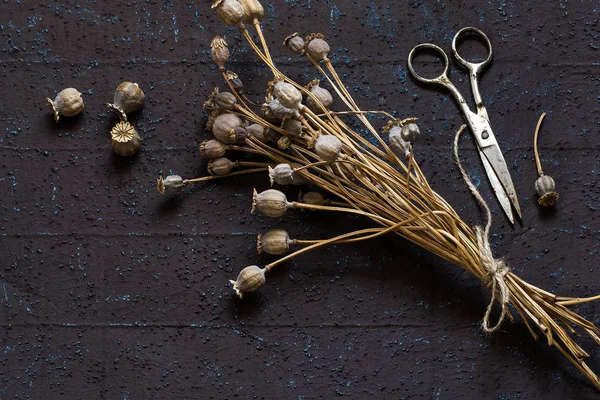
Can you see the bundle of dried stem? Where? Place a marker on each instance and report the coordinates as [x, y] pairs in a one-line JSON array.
[[314, 144]]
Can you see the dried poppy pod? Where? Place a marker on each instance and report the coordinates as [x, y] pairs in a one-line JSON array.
[[225, 101], [230, 12], [219, 51], [68, 103], [328, 147], [545, 186], [128, 98], [292, 126], [250, 279], [253, 11], [398, 144], [271, 203], [240, 135], [323, 96], [224, 126], [125, 139], [221, 166], [275, 242], [212, 149], [258, 131], [313, 198], [275, 110], [171, 183], [282, 174], [316, 47], [235, 81], [410, 132], [288, 95], [294, 43]]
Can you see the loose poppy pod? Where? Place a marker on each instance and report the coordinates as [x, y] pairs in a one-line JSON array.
[[125, 139], [68, 103], [128, 98], [545, 188]]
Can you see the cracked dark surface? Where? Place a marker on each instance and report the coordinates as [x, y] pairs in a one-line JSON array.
[[109, 290]]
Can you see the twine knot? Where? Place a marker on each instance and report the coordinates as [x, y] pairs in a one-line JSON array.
[[495, 269]]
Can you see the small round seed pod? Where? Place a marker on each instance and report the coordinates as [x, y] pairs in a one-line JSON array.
[[314, 198], [282, 174], [235, 81], [288, 95], [171, 183], [212, 149], [258, 131], [292, 126], [328, 147], [240, 135], [271, 203], [253, 11], [275, 242], [230, 12], [318, 49], [224, 126], [221, 166], [398, 144], [250, 279], [284, 143], [294, 43], [225, 101], [128, 98], [67, 103], [323, 95], [125, 139], [219, 51], [410, 132], [545, 188]]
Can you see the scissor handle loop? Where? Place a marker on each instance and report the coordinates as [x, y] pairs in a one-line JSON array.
[[479, 33], [443, 77]]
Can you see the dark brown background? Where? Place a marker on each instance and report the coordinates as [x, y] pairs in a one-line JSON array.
[[108, 290]]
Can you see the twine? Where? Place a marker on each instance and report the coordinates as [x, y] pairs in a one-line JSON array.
[[495, 269]]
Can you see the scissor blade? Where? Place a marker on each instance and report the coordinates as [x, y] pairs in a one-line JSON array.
[[497, 187], [496, 159]]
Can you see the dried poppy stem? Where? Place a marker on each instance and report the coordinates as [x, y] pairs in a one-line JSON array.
[[535, 145]]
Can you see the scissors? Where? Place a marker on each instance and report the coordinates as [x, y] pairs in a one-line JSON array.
[[489, 151]]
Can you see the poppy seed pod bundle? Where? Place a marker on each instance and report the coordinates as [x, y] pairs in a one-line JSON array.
[[253, 11], [219, 51], [128, 98], [224, 126], [171, 183], [68, 103], [125, 139], [250, 279], [212, 149], [294, 43], [399, 145], [271, 203], [230, 12], [288, 95], [323, 96], [275, 242], [318, 49], [221, 166], [328, 147]]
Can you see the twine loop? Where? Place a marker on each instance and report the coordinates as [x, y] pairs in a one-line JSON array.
[[495, 269]]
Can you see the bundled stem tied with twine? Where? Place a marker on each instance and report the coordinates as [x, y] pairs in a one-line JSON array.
[[310, 143]]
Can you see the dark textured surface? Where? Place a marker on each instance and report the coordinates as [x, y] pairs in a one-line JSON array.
[[108, 290]]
